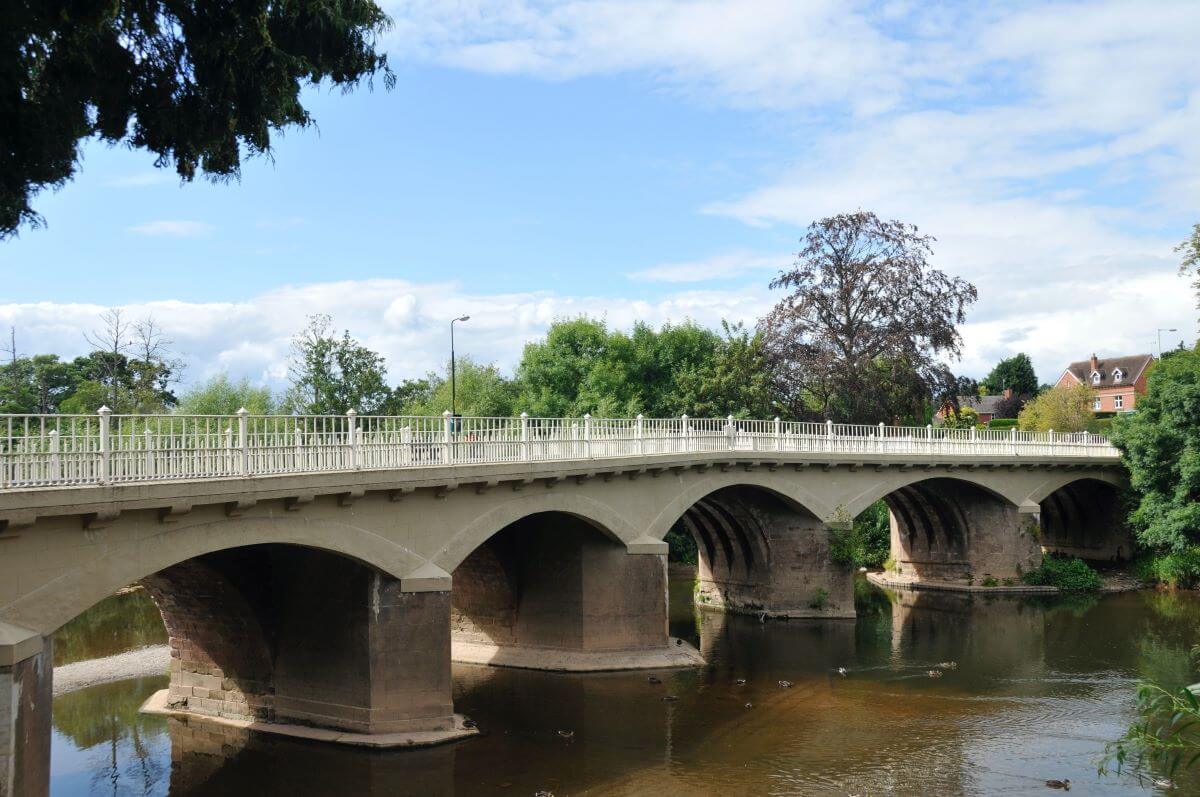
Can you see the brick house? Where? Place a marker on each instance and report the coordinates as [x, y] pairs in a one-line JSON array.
[[984, 405], [1117, 381]]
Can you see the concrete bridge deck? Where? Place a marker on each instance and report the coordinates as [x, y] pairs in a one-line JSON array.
[[324, 571]]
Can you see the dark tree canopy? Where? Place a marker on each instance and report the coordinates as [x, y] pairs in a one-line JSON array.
[[860, 334], [199, 84], [1013, 373]]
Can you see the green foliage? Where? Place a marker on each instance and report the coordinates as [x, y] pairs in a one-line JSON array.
[[583, 367], [479, 390], [222, 396], [1068, 573], [819, 599], [964, 418], [867, 542], [1160, 445], [1002, 423], [197, 84], [1175, 569], [1063, 409], [330, 375], [1164, 739], [1189, 259], [990, 581], [1014, 373], [681, 546]]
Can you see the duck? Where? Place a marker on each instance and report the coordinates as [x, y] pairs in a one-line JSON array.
[[543, 793], [785, 684], [1064, 784], [654, 679], [669, 698], [948, 665], [567, 734], [934, 673], [740, 681], [749, 705], [469, 723], [842, 671]]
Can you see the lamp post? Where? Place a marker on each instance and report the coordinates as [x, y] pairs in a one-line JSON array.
[[453, 397], [1160, 340]]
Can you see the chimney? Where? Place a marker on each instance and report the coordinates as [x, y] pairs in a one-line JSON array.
[[1008, 392], [1095, 362]]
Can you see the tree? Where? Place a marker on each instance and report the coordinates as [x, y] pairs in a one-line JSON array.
[[735, 380], [197, 84], [222, 396], [1062, 409], [1189, 253], [866, 319], [1160, 445], [332, 375], [480, 390], [962, 418], [965, 386], [1014, 373], [1010, 406]]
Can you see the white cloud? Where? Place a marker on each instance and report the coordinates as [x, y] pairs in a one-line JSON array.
[[174, 228], [724, 266]]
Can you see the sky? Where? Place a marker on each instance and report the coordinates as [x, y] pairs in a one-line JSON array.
[[659, 161]]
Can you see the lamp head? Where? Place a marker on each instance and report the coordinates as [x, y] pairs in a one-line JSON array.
[[464, 318]]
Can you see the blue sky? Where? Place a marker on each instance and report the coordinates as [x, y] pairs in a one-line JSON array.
[[659, 161]]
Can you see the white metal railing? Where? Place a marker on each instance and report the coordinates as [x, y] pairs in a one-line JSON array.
[[46, 450]]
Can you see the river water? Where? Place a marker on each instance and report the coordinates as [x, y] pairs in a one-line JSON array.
[[1039, 688]]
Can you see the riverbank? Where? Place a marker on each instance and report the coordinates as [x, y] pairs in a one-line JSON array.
[[1111, 582], [139, 663]]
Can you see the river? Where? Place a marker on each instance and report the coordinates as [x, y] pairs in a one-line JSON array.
[[1040, 686]]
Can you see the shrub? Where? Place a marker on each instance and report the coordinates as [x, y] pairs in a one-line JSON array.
[[819, 599], [1002, 423], [1175, 569], [1063, 409], [681, 546], [990, 581], [867, 542], [1068, 573]]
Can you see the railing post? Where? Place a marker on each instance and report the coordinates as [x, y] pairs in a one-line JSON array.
[[524, 435], [243, 441], [352, 436], [879, 445], [778, 433], [730, 431], [1012, 440], [641, 434], [55, 465], [587, 435], [149, 439], [299, 446], [684, 432], [105, 445], [929, 437], [829, 434], [1051, 437], [447, 433]]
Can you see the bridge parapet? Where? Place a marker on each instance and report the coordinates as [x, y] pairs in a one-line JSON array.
[[68, 450]]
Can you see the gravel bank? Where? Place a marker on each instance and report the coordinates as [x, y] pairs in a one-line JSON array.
[[138, 663]]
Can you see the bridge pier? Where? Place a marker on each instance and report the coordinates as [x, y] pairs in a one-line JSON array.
[[287, 638], [552, 592], [26, 692]]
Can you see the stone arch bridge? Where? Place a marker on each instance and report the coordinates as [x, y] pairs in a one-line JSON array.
[[318, 575]]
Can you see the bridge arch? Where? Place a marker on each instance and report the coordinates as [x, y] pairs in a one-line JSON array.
[[53, 604], [1083, 517]]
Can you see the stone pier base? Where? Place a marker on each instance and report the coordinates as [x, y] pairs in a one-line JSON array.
[[26, 692]]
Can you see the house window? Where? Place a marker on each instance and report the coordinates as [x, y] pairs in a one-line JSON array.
[[1095, 377], [1096, 404], [1118, 401], [1118, 375]]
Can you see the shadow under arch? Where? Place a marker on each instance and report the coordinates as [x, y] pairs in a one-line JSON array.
[[550, 584], [760, 550], [597, 514], [1084, 517], [951, 528]]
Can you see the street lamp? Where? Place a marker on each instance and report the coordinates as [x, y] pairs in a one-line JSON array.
[[453, 407], [1160, 340]]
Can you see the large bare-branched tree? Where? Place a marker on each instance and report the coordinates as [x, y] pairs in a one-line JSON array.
[[862, 333]]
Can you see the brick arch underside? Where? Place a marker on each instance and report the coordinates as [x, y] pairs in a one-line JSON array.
[[943, 529], [1084, 519], [553, 580], [280, 632], [759, 551]]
